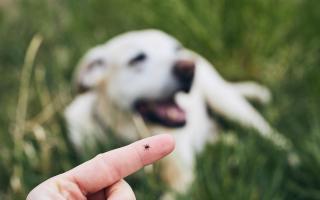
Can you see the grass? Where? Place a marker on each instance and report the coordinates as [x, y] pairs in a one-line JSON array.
[[274, 42]]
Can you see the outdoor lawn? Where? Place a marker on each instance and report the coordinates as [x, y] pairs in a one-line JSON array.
[[274, 42]]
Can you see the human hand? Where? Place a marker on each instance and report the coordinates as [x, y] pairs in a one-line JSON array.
[[102, 176]]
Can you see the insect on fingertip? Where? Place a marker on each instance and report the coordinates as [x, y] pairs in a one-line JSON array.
[[146, 147]]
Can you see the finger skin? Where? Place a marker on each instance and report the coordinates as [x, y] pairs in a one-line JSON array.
[[121, 190], [103, 171], [110, 167], [57, 188]]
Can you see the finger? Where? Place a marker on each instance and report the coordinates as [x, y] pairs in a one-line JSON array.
[[110, 167], [119, 191]]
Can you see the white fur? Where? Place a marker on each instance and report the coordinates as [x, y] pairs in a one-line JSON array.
[[115, 86]]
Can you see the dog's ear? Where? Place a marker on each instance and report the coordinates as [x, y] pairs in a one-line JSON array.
[[91, 70]]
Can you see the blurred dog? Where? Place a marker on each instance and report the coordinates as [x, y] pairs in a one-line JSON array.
[[146, 82]]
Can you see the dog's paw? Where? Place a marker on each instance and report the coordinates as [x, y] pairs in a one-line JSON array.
[[253, 91], [263, 94]]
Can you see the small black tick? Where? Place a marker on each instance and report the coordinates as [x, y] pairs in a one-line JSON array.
[[146, 147]]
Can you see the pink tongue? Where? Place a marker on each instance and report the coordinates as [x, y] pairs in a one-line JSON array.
[[170, 112]]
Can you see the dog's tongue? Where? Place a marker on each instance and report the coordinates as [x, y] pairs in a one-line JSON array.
[[166, 112], [170, 112]]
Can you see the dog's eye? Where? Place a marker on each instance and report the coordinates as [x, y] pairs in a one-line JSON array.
[[138, 58], [96, 63]]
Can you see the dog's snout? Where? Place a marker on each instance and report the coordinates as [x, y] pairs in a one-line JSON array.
[[184, 70]]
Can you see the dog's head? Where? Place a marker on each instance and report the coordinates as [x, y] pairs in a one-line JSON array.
[[141, 71]]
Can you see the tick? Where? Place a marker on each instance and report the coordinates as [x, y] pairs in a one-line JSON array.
[[146, 147]]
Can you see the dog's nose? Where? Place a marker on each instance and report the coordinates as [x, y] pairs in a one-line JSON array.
[[184, 70]]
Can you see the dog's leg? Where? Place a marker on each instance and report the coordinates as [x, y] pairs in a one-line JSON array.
[[253, 91], [178, 168], [224, 99], [177, 172]]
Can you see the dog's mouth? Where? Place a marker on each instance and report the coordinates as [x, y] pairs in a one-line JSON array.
[[165, 112]]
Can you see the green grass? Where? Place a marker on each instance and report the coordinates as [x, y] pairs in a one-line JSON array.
[[275, 42]]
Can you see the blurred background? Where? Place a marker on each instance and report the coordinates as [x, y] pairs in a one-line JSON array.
[[275, 42]]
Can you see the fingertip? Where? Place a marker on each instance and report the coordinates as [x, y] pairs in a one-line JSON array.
[[168, 142], [154, 148], [119, 163]]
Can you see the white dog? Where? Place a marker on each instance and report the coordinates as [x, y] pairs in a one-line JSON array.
[[145, 82]]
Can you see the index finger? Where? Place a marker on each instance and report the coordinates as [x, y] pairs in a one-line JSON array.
[[108, 168]]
